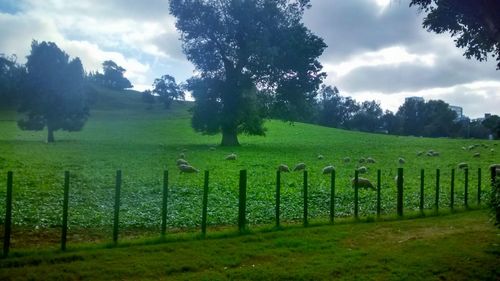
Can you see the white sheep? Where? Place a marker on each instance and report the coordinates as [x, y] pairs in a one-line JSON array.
[[363, 183], [476, 155], [283, 168], [182, 155], [181, 162], [401, 160], [347, 159], [361, 160], [328, 169], [231, 156], [187, 169], [299, 167], [463, 165], [370, 160], [362, 170], [320, 157], [420, 153]]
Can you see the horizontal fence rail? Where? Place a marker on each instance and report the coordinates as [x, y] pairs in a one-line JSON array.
[[358, 184]]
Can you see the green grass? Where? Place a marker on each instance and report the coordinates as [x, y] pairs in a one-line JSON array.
[[460, 246], [122, 134]]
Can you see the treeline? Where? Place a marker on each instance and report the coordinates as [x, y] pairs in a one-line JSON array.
[[432, 118]]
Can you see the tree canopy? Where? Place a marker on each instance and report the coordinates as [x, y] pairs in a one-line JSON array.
[[475, 24], [11, 74], [112, 78], [167, 90], [241, 50], [53, 95]]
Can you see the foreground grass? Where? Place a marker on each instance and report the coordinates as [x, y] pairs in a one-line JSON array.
[[461, 246]]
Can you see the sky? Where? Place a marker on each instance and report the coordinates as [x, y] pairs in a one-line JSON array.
[[377, 49]]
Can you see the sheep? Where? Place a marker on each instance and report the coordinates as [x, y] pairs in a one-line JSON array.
[[184, 150], [492, 150], [320, 157], [370, 160], [476, 155], [463, 165], [471, 147], [231, 156], [435, 154], [362, 170], [182, 156], [328, 169], [181, 162], [212, 148], [463, 148], [363, 183], [361, 160], [347, 159], [283, 168], [401, 160], [187, 169], [299, 167], [420, 153]]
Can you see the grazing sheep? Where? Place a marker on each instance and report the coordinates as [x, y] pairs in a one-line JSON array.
[[187, 169], [430, 154], [363, 183], [181, 162], [361, 160], [320, 157], [328, 169], [283, 168], [435, 154], [299, 167], [347, 159], [182, 156], [370, 160], [212, 148], [362, 170], [184, 150], [401, 160], [492, 150], [470, 147], [420, 153], [463, 148], [476, 155], [463, 165], [231, 156]]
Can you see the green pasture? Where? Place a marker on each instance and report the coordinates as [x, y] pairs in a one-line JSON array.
[[122, 134]]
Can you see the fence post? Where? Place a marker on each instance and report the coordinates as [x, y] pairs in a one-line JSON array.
[[242, 201], [436, 204], [452, 191], [305, 199], [400, 192], [466, 189], [205, 206], [478, 186], [65, 211], [422, 181], [278, 197], [117, 205], [356, 207], [378, 192], [332, 197], [164, 204], [8, 215]]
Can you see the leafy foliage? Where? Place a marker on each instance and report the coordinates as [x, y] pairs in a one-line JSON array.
[[167, 90], [241, 48], [475, 24], [53, 95], [112, 78], [11, 75]]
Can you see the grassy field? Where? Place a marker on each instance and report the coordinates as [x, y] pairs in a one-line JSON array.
[[122, 134], [461, 246]]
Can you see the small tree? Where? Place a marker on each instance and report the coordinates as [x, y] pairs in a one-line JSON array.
[[167, 90], [53, 95], [11, 75]]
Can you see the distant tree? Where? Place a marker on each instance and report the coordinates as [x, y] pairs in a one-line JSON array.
[[11, 74], [439, 119], [148, 98], [492, 123], [53, 95], [475, 24], [368, 118], [391, 123], [411, 114], [113, 76], [335, 110], [243, 49], [167, 90]]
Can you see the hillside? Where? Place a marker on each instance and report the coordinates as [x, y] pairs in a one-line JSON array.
[[122, 134]]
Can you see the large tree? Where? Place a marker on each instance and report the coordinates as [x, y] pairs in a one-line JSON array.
[[53, 95], [243, 48], [167, 90], [474, 23]]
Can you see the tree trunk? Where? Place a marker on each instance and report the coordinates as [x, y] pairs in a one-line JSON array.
[[50, 135], [229, 138]]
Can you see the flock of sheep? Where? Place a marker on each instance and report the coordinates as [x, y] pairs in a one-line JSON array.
[[185, 167]]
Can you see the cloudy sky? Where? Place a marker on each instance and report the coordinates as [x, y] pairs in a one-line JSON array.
[[377, 49]]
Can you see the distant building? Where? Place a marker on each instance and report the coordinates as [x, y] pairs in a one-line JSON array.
[[458, 110], [414, 99]]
